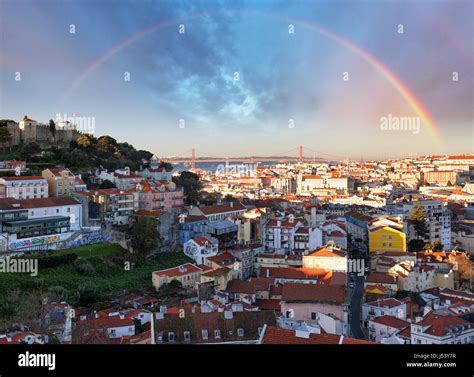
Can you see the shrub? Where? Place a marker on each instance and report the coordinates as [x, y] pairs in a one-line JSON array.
[[57, 260], [84, 267]]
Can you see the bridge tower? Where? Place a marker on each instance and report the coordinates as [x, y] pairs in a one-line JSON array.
[[193, 159], [301, 153]]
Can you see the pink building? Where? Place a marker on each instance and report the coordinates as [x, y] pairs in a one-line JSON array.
[[315, 303], [158, 195]]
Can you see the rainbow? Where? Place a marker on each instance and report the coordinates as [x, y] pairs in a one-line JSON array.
[[380, 67]]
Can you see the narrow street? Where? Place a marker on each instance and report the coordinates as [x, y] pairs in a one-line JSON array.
[[356, 307]]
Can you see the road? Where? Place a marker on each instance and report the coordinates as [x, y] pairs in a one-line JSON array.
[[356, 307]]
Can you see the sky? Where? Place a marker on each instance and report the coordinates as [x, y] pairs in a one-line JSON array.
[[247, 78]]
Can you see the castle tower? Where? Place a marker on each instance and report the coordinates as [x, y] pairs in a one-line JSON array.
[[28, 129]]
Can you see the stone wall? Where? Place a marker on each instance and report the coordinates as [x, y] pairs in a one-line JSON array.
[[41, 135]]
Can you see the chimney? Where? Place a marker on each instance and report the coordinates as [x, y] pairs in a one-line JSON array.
[[268, 272], [231, 204]]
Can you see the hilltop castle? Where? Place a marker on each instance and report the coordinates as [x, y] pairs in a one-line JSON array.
[[30, 131]]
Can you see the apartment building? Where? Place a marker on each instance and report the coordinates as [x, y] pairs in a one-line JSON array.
[[23, 187], [60, 181], [438, 221]]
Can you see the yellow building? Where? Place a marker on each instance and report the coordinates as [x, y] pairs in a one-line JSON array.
[[386, 234], [188, 274]]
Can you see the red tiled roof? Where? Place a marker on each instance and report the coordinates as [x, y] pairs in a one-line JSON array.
[[275, 335], [270, 304], [439, 324], [283, 224], [297, 292], [380, 278], [390, 321], [218, 272], [57, 171], [386, 303], [336, 233], [222, 208], [131, 175], [464, 295], [190, 218], [186, 268], [223, 259], [296, 273], [302, 230], [250, 286], [327, 252], [202, 241], [107, 322], [276, 290], [347, 340], [23, 178], [8, 204]]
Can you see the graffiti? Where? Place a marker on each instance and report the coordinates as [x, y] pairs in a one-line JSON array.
[[83, 239], [89, 238], [34, 242]]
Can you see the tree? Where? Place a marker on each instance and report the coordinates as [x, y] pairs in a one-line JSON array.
[[436, 246], [5, 122], [87, 293], [106, 184], [5, 137], [85, 141], [145, 235], [416, 245], [106, 144], [166, 165], [52, 127], [417, 219], [191, 185], [176, 283]]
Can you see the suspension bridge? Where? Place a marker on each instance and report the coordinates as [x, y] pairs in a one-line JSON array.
[[297, 154]]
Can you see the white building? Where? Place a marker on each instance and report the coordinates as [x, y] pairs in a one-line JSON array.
[[123, 179], [307, 239], [199, 248], [327, 258], [382, 328], [38, 223], [23, 187], [387, 306], [279, 235], [441, 327]]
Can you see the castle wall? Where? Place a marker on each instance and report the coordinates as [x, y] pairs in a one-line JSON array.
[[41, 135]]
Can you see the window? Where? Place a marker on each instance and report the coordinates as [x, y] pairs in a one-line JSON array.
[[240, 332], [313, 316], [187, 336], [204, 334], [69, 209], [171, 336], [217, 334], [260, 329], [112, 332]]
